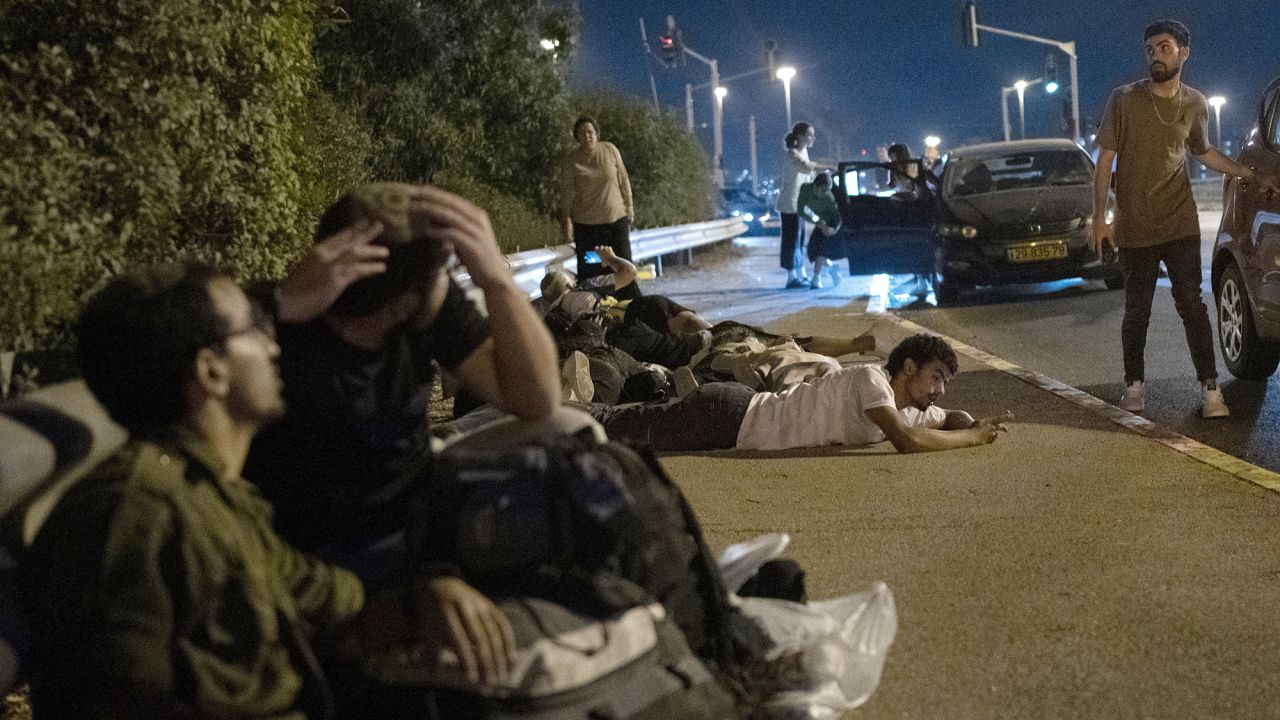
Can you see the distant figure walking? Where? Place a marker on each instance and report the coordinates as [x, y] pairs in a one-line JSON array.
[[796, 170], [595, 201]]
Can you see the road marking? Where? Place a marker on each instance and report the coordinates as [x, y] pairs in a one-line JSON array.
[[878, 294], [1162, 434]]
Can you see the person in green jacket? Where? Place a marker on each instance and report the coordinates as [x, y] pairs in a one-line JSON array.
[[818, 202], [157, 586]]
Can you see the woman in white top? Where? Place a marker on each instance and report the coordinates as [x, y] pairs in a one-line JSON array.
[[595, 202], [796, 170]]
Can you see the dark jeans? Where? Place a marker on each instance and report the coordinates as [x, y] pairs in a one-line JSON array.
[[706, 419], [789, 253], [616, 235], [1142, 269]]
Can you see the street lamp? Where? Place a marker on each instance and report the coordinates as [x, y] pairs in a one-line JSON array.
[[785, 73], [1217, 101], [1021, 87], [932, 141]]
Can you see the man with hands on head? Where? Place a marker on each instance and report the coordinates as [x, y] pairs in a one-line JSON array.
[[157, 585], [1146, 130], [354, 449]]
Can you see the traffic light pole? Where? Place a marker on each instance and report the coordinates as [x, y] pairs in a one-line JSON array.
[[717, 125], [1068, 47]]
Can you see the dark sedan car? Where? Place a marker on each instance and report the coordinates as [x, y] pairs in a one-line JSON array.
[[1246, 255], [1001, 213]]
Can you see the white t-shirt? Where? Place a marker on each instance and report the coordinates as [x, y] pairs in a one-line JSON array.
[[830, 410]]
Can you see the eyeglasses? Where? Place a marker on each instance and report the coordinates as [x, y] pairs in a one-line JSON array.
[[260, 322]]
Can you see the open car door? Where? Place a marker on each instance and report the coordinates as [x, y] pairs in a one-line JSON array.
[[888, 216]]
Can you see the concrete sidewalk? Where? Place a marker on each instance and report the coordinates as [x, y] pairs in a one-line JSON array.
[[1073, 569]]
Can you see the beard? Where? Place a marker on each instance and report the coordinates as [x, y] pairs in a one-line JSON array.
[[1163, 73]]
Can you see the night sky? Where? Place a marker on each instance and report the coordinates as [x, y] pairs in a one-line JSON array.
[[872, 72]]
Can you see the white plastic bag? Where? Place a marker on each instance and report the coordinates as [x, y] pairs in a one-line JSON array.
[[829, 654]]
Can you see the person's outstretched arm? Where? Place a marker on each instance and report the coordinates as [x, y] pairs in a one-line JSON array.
[[908, 439], [624, 271]]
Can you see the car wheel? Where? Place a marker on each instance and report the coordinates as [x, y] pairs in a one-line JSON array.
[[1246, 355], [1115, 282]]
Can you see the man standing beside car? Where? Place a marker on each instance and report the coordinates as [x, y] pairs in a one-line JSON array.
[[1147, 129]]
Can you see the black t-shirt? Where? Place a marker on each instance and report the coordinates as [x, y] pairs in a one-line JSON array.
[[354, 444]]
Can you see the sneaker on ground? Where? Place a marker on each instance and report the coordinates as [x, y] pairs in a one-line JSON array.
[[575, 378], [796, 283], [1214, 406], [1134, 399], [815, 284], [685, 381]]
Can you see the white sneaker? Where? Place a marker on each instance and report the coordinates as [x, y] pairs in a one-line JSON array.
[[1135, 397], [1214, 406], [575, 378]]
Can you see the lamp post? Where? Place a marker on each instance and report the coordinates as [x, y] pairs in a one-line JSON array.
[[1021, 87], [785, 73], [1217, 101], [718, 135]]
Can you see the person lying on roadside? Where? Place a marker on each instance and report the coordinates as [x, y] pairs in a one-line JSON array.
[[859, 405]]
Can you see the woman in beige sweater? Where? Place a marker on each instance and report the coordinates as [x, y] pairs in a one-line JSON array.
[[595, 199]]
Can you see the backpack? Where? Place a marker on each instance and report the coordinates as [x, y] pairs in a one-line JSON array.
[[633, 664], [564, 520]]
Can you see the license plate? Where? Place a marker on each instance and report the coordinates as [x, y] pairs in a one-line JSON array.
[[1039, 251]]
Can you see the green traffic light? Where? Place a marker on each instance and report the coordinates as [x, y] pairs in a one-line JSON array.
[[1051, 87]]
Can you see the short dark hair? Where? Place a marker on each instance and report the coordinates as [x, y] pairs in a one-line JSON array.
[[801, 128], [899, 149], [138, 340], [822, 179], [583, 120], [411, 264], [923, 348], [1180, 33]]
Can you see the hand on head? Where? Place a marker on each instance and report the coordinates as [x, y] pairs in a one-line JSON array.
[[330, 267]]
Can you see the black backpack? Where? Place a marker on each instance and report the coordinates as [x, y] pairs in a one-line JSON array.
[[563, 520]]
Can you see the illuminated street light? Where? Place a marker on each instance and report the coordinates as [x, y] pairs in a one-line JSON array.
[[1217, 101], [932, 141], [549, 44], [785, 73], [1021, 87], [721, 92]]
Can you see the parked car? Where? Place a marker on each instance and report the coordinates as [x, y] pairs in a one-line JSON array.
[[759, 215], [1246, 255], [1001, 213]]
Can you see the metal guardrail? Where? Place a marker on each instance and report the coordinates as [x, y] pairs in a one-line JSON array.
[[530, 266]]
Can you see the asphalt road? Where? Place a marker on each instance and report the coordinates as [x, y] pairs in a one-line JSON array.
[[1074, 569]]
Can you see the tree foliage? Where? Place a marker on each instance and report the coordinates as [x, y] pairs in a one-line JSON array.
[[138, 131]]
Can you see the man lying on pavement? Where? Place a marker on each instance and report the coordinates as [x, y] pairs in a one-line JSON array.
[[859, 405]]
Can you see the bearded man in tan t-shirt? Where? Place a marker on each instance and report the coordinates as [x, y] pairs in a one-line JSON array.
[[1147, 128]]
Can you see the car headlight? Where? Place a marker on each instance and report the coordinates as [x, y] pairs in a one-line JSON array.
[[748, 217], [968, 232]]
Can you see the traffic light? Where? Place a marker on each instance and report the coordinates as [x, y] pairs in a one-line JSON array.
[[668, 49], [771, 59], [1050, 75], [969, 24]]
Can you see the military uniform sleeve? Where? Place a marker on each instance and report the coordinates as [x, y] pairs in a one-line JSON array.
[[111, 639], [326, 595], [1109, 130]]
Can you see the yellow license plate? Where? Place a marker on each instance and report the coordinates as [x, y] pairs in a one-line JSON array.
[[1039, 251]]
